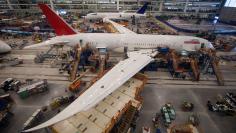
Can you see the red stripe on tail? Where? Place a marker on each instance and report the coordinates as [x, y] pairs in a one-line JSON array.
[[57, 23]]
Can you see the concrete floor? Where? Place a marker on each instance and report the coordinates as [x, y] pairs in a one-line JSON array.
[[24, 108], [164, 89], [155, 96]]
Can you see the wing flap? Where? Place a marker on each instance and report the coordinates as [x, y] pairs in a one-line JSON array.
[[46, 43], [112, 80]]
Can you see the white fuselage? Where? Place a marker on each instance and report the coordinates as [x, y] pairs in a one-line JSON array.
[[121, 15], [117, 42], [4, 48]]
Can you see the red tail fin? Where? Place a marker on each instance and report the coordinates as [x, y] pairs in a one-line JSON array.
[[57, 23]]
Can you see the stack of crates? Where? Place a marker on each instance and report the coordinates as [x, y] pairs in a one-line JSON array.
[[23, 93], [34, 88]]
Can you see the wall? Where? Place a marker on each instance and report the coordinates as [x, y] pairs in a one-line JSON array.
[[228, 15]]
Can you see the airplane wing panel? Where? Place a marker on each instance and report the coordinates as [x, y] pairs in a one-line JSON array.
[[119, 27], [112, 80]]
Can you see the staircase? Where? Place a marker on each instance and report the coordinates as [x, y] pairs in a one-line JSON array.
[[127, 119]]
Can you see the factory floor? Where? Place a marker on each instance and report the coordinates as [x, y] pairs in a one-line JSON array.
[[155, 96], [160, 89], [24, 108]]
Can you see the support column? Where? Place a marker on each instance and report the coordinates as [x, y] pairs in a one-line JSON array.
[[96, 6], [161, 6], [83, 2], [51, 4], [9, 4], [117, 5], [197, 10], [124, 5], [186, 5]]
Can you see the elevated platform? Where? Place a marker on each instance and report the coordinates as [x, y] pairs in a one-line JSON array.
[[102, 117]]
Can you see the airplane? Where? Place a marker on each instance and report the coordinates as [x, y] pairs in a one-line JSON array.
[[141, 51], [4, 48], [124, 15]]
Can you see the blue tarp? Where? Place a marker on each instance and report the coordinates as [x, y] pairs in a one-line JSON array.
[[177, 28], [232, 32]]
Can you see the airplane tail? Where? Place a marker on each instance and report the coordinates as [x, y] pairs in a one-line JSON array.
[[142, 9], [57, 23]]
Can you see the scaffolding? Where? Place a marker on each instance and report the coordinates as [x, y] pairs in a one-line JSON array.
[[102, 117]]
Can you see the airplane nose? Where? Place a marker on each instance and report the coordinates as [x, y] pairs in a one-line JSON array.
[[5, 48], [8, 48]]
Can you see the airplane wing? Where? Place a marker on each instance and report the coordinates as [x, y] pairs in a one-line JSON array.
[[119, 27], [46, 43], [119, 74]]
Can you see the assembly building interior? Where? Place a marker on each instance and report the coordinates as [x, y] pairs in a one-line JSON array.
[[118, 66]]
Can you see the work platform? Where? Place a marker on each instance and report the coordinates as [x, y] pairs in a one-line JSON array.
[[102, 117]]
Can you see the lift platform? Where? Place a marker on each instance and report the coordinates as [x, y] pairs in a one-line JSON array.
[[173, 65], [212, 61], [174, 60], [194, 66], [49, 54], [76, 84], [217, 72], [103, 57], [75, 63]]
